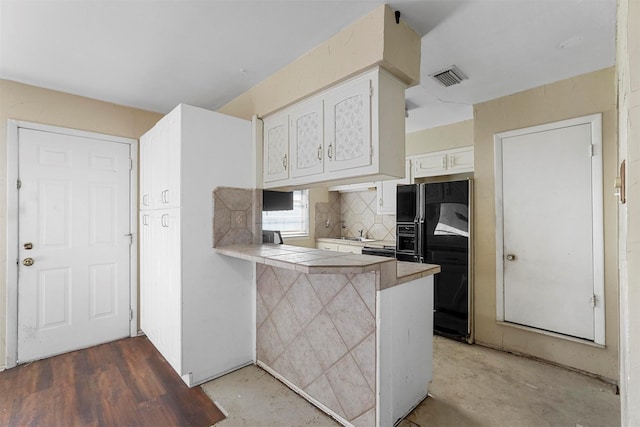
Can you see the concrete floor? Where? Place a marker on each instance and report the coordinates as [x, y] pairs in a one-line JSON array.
[[472, 386]]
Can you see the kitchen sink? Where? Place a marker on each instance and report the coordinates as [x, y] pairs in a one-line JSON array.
[[358, 239]]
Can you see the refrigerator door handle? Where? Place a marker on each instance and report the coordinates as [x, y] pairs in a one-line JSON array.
[[417, 238]]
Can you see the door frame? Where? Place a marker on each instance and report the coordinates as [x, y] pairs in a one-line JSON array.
[[595, 121], [12, 225]]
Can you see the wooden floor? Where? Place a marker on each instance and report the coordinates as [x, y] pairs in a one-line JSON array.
[[124, 383]]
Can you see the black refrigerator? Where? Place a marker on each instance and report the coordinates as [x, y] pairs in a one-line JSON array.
[[433, 226]]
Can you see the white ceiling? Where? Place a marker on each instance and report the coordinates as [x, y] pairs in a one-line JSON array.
[[155, 54]]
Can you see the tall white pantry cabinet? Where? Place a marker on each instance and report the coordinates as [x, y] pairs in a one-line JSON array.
[[195, 305]]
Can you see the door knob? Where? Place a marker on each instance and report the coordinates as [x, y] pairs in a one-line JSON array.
[[28, 262], [511, 257], [28, 246]]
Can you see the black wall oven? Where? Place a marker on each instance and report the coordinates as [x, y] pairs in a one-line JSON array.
[[433, 227]]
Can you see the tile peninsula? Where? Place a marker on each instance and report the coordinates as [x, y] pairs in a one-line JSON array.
[[316, 261], [350, 333]]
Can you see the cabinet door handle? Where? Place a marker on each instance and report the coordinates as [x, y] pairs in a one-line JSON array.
[[330, 151], [452, 161], [284, 162], [380, 201], [164, 221], [444, 162], [145, 219], [319, 152], [145, 200]]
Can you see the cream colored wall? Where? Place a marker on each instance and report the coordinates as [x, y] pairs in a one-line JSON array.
[[440, 138], [33, 104], [587, 94], [628, 65], [372, 40]]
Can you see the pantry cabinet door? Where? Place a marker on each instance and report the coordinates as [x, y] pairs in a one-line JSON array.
[[348, 126], [172, 162], [159, 164], [276, 148], [307, 139], [146, 167]]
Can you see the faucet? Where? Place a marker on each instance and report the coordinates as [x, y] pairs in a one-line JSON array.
[[361, 231]]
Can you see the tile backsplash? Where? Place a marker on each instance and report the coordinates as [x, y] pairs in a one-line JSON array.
[[237, 216], [328, 217], [347, 213], [358, 212]]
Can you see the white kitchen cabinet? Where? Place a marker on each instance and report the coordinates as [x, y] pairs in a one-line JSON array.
[[196, 305], [386, 196], [348, 126], [160, 168], [307, 139], [350, 249], [327, 246], [276, 148], [460, 161], [147, 145], [160, 272], [386, 192], [361, 138], [446, 162]]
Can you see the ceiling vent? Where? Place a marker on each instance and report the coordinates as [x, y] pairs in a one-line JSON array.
[[449, 77]]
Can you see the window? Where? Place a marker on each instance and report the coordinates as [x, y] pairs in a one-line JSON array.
[[293, 223]]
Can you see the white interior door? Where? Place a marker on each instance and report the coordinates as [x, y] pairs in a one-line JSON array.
[[74, 243], [549, 221]]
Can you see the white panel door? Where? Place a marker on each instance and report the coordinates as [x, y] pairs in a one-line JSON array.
[[548, 230], [74, 244]]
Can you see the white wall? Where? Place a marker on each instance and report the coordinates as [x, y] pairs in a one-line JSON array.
[[628, 67]]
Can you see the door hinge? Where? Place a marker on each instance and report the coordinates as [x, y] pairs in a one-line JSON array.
[[130, 164], [370, 91], [131, 314], [593, 300], [591, 150], [19, 184], [130, 236]]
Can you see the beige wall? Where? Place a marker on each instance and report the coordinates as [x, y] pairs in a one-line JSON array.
[[628, 66], [440, 138], [372, 40], [33, 104], [587, 94]]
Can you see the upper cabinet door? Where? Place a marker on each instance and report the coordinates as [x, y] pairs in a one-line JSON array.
[[460, 160], [173, 153], [307, 139], [276, 148], [430, 165], [146, 167], [161, 165], [348, 126]]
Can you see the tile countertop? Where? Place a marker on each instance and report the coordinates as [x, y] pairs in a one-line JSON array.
[[316, 261], [373, 243]]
